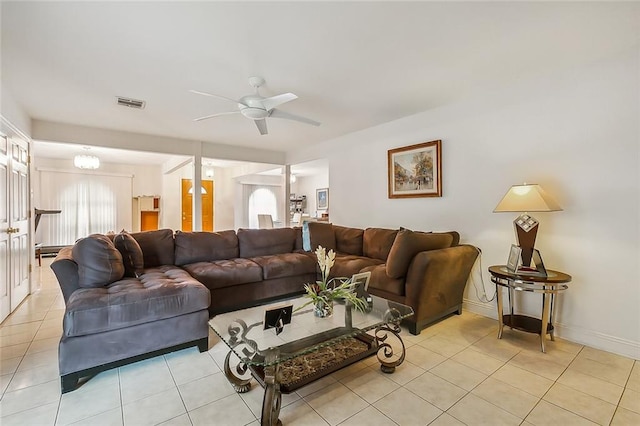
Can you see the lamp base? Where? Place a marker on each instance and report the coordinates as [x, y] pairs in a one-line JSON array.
[[526, 228]]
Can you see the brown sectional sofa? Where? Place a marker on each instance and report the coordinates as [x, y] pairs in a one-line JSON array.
[[175, 282]]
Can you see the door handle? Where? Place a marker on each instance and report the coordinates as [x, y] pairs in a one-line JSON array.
[[13, 230]]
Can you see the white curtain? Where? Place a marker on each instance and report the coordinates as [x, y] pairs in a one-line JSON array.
[[260, 199], [90, 203]]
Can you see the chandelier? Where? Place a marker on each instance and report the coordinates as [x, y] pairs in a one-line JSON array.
[[90, 162]]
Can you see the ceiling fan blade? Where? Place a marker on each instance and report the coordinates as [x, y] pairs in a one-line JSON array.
[[215, 115], [274, 101], [197, 92], [276, 113], [262, 126]]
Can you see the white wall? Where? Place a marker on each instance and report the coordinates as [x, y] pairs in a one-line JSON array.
[[576, 133], [13, 113], [224, 200], [171, 201]]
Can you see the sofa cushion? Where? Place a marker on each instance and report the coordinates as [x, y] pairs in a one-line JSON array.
[[99, 261], [225, 273], [192, 247], [455, 236], [299, 245], [159, 293], [348, 240], [321, 234], [264, 242], [377, 242], [286, 265], [409, 243], [157, 247], [381, 281], [348, 264], [132, 257]]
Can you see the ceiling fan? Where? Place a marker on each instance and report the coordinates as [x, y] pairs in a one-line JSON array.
[[257, 107]]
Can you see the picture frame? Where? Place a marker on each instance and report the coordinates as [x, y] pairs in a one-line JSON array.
[[415, 170], [322, 199], [514, 258], [362, 282]]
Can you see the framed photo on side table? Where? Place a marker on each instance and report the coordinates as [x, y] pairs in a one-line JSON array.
[[514, 258], [415, 170], [322, 199]]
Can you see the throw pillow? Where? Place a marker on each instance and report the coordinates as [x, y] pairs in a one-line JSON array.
[[407, 244], [132, 257], [99, 261]]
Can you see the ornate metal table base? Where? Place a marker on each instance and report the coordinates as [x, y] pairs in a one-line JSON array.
[[385, 353], [287, 367], [385, 344], [272, 399]]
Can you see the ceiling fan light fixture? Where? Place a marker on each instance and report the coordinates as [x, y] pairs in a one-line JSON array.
[[258, 108], [254, 113]]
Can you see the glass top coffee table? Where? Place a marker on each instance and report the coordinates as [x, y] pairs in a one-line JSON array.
[[285, 349]]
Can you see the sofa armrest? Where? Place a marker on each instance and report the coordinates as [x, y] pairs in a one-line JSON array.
[[436, 279], [66, 270]]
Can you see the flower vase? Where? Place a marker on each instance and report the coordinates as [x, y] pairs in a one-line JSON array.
[[323, 309]]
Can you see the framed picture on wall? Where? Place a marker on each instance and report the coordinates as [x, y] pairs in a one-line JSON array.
[[322, 198], [415, 170]]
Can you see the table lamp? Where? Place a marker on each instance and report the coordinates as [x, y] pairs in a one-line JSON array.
[[526, 198]]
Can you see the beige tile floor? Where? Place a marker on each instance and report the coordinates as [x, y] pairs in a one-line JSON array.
[[456, 372]]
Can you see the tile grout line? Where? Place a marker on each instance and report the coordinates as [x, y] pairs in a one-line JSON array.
[[556, 381], [120, 395]]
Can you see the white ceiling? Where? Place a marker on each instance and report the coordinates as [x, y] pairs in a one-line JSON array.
[[353, 64]]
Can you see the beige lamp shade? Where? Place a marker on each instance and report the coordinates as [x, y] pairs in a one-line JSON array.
[[527, 198]]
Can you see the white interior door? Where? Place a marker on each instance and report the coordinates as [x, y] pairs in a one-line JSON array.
[[20, 255], [5, 287]]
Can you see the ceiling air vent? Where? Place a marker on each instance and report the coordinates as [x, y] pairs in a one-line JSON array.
[[131, 103]]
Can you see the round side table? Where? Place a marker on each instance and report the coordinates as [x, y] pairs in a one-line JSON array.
[[548, 286]]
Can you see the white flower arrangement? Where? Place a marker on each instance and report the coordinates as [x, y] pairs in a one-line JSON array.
[[325, 291]]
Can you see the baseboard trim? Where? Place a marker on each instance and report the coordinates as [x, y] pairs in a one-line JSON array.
[[598, 340], [485, 309], [579, 335]]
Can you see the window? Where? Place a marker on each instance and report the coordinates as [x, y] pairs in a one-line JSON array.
[[89, 203], [262, 200]]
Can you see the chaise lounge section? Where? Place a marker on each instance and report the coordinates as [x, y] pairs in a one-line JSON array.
[[112, 320]]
